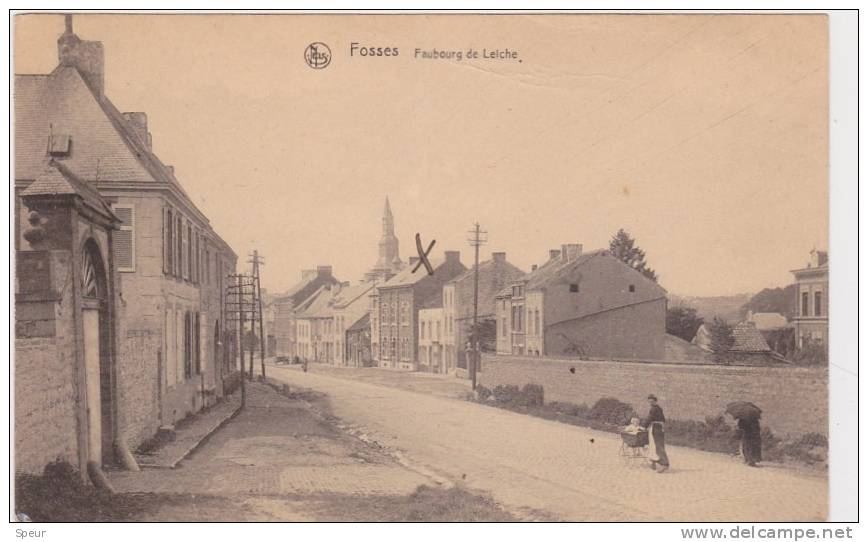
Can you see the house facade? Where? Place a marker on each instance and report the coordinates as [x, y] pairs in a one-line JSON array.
[[286, 332], [585, 305], [430, 354], [494, 275], [359, 342], [350, 305], [395, 306], [811, 322], [313, 319], [173, 349]]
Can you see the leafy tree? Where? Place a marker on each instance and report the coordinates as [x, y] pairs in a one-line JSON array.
[[487, 334], [722, 340], [623, 247], [780, 300], [682, 322]]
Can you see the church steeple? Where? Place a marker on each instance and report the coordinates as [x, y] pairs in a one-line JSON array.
[[389, 261], [388, 220]]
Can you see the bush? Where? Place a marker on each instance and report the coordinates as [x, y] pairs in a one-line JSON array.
[[569, 409], [612, 411], [532, 395], [506, 394], [811, 354], [712, 435], [482, 393], [814, 439]]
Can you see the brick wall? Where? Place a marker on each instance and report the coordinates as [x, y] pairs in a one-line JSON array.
[[793, 400], [45, 424]]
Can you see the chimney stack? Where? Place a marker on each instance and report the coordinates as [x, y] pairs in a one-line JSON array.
[[554, 253], [499, 257], [139, 122], [571, 252], [324, 270], [87, 56], [533, 268], [452, 256]]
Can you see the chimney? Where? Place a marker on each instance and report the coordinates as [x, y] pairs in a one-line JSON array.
[[499, 257], [452, 256], [413, 260], [87, 56], [554, 253], [324, 270], [307, 274], [171, 170], [533, 268], [571, 252], [139, 123]]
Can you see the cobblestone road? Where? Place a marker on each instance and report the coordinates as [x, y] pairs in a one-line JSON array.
[[541, 468]]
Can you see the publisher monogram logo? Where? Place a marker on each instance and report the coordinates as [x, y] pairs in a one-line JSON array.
[[317, 55]]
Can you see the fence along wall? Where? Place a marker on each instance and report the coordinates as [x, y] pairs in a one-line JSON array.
[[794, 400]]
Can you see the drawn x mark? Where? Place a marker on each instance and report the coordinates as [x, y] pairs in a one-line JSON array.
[[423, 255]]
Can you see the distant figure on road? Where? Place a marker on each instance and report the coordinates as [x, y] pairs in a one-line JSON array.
[[751, 441], [656, 439], [304, 364]]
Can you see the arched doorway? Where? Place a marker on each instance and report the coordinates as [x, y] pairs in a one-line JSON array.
[[97, 354]]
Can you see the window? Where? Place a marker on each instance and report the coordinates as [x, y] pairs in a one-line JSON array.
[[818, 303], [197, 335], [574, 288], [804, 303], [123, 240], [196, 259], [438, 330], [177, 246], [632, 288], [503, 326], [188, 345], [188, 268], [536, 321], [422, 329], [167, 241]]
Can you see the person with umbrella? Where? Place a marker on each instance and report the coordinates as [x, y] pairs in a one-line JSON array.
[[748, 415], [656, 440]]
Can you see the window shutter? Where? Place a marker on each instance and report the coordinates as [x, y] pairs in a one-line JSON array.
[[123, 240]]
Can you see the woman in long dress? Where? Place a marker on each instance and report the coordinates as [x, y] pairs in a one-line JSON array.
[[751, 440], [656, 436]]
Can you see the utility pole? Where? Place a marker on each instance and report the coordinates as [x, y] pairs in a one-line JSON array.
[[478, 238], [240, 306], [257, 261]]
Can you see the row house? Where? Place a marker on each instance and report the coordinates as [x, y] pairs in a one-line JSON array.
[[153, 278], [359, 342], [395, 305], [286, 305], [493, 276], [312, 321], [582, 304], [350, 306], [811, 321], [430, 355]]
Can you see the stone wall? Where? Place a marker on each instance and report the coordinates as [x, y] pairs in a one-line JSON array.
[[793, 400], [45, 422]]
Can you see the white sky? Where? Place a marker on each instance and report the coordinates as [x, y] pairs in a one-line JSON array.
[[704, 136]]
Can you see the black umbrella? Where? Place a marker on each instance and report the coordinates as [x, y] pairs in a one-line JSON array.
[[744, 410]]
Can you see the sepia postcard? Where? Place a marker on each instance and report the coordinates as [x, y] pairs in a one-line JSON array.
[[423, 266]]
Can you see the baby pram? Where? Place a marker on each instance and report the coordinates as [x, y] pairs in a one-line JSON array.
[[634, 445]]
